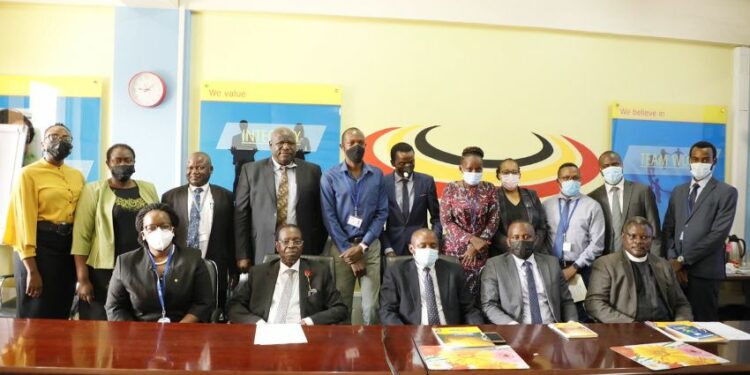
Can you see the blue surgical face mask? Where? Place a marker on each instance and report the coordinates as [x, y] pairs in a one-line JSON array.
[[472, 178], [612, 175], [425, 257], [571, 188]]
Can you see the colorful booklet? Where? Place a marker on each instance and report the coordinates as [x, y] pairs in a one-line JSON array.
[[572, 330], [668, 355], [686, 331], [461, 337], [487, 358]]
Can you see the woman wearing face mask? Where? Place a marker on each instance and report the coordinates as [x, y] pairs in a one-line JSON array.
[[40, 221], [516, 203], [159, 282], [469, 215], [104, 229]]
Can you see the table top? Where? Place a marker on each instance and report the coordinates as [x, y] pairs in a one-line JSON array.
[[59, 347]]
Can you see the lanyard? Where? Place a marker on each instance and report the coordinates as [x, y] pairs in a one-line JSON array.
[[565, 221], [161, 285], [355, 189]]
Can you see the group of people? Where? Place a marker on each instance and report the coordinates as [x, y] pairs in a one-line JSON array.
[[305, 238]]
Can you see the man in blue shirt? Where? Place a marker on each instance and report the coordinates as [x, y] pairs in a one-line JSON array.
[[355, 208]]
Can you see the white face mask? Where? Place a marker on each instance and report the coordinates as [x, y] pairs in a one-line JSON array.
[[510, 181], [159, 239], [472, 178], [425, 257], [700, 170], [612, 175]]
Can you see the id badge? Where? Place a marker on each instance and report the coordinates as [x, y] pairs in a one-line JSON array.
[[354, 221], [164, 319], [567, 247]]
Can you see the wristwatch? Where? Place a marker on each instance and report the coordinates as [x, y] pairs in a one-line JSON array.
[[681, 259]]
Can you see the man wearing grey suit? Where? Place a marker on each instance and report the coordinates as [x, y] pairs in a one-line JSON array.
[[273, 192], [634, 286], [289, 290], [697, 223], [621, 200], [523, 287]]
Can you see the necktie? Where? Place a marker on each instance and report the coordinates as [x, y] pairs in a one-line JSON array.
[[405, 199], [560, 235], [195, 220], [536, 313], [616, 219], [286, 295], [692, 197], [282, 199], [433, 318]]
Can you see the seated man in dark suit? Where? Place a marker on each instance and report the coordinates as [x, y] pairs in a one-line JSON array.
[[408, 292], [523, 286], [632, 285], [288, 290]]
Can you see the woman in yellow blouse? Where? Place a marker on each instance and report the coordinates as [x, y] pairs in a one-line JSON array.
[[39, 228], [105, 228]]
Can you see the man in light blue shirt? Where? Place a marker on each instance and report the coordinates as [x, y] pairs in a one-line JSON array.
[[355, 208]]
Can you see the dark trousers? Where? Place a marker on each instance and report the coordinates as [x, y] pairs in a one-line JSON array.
[[703, 295], [94, 310], [57, 269]]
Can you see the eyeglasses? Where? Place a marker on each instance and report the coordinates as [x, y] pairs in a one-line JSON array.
[[57, 137], [634, 237], [291, 242], [152, 227]]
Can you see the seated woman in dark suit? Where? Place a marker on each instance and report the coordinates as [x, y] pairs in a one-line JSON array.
[[159, 282], [517, 203]]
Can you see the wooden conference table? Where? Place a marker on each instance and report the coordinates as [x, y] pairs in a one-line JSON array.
[[66, 347]]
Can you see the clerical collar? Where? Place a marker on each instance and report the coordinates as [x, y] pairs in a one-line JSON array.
[[636, 259]]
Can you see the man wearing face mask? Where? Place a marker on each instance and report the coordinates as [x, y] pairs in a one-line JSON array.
[[411, 196], [620, 200], [426, 290], [697, 223], [523, 286], [634, 286], [39, 228], [104, 228], [355, 208]]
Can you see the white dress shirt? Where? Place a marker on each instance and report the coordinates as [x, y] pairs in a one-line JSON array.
[[544, 307], [701, 185], [206, 205], [433, 275], [291, 208], [621, 191], [400, 188], [293, 314]]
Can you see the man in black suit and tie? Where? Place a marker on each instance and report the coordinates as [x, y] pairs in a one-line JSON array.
[[426, 290], [697, 223], [206, 217], [621, 200], [288, 290], [273, 192], [411, 196]]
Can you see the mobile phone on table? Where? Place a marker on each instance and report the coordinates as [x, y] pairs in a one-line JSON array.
[[495, 338]]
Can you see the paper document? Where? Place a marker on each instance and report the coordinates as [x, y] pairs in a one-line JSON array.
[[577, 288], [277, 334], [725, 331]]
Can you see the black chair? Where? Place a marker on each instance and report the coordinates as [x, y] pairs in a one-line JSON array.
[[213, 274], [389, 261], [312, 258]]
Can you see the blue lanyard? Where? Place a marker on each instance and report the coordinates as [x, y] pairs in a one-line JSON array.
[[565, 221], [355, 191], [161, 285]]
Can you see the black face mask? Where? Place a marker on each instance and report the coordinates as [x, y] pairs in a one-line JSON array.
[[522, 249], [122, 173], [356, 153], [59, 149]]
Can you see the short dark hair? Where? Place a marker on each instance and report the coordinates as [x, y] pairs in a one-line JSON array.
[[243, 121], [400, 147], [499, 166], [637, 220], [610, 152], [524, 222], [154, 207], [286, 226], [5, 118], [57, 124], [566, 165], [472, 150], [119, 145], [703, 144], [349, 130]]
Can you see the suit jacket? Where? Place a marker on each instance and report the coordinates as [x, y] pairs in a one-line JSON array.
[[132, 294], [401, 301], [221, 241], [255, 210], [252, 301], [637, 200], [501, 297], [537, 217], [398, 230], [612, 297], [703, 231]]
